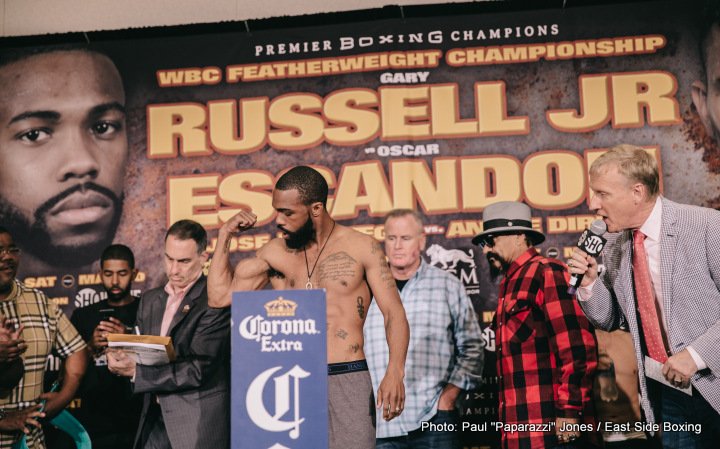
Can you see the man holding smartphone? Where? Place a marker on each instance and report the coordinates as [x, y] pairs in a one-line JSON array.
[[107, 408]]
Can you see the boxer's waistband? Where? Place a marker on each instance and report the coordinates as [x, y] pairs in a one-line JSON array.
[[347, 367]]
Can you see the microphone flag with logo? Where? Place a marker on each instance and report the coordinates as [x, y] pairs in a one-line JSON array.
[[591, 242]]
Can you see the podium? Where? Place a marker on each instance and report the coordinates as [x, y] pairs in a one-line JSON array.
[[279, 370]]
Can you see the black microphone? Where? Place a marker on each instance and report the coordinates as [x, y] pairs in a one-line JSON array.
[[592, 242]]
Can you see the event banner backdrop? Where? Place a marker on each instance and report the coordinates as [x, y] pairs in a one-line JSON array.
[[444, 115]]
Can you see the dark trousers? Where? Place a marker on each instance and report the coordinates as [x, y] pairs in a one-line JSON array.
[[630, 444], [154, 435], [686, 422], [427, 439]]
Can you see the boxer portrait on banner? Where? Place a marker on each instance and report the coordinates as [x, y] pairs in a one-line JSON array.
[[705, 91], [63, 149]]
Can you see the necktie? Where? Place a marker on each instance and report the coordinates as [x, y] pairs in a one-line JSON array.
[[645, 296]]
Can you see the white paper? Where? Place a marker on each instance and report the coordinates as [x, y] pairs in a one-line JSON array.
[[653, 370], [143, 353]]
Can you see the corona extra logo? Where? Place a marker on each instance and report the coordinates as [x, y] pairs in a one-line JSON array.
[[287, 400], [280, 307]]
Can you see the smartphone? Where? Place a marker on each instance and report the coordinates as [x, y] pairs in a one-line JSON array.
[[106, 314]]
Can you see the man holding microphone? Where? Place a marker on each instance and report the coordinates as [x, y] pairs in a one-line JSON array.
[[662, 281]]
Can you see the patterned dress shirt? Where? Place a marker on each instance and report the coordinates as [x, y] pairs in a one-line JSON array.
[[445, 346], [46, 328], [546, 352]]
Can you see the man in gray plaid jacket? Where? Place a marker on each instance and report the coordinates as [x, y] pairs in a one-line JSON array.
[[661, 280]]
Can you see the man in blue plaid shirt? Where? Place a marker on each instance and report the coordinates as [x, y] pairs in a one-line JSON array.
[[445, 355]]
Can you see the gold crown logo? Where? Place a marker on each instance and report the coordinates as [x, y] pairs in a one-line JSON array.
[[280, 307]]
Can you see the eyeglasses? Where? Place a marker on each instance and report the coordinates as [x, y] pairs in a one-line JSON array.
[[488, 241], [10, 251]]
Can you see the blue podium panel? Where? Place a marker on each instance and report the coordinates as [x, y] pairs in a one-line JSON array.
[[279, 370]]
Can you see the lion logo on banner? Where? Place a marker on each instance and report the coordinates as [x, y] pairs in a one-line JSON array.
[[441, 256]]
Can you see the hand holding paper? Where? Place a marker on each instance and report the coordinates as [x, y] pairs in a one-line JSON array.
[[680, 367], [121, 362], [653, 370]]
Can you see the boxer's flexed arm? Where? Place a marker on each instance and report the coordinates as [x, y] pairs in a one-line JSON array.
[[249, 274]]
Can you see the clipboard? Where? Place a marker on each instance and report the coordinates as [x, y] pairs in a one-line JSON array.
[[145, 349]]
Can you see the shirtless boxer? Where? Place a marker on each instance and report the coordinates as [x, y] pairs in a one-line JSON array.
[[316, 252]]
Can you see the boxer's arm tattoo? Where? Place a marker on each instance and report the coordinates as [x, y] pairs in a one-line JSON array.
[[385, 273]]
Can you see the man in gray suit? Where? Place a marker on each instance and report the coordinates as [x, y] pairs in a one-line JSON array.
[[662, 281], [186, 403]]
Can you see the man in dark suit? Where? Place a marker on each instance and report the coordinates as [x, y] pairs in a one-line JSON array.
[[186, 403], [662, 282]]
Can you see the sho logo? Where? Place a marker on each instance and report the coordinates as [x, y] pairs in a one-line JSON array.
[[593, 244], [590, 242], [86, 297], [488, 335], [284, 397]]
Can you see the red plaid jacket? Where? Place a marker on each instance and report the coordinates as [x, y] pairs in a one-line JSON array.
[[546, 351]]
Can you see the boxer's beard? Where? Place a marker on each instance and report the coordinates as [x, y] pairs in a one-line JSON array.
[[301, 237], [34, 238]]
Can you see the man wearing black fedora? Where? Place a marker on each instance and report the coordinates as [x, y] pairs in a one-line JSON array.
[[546, 351]]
